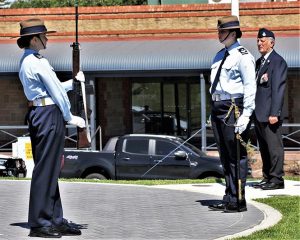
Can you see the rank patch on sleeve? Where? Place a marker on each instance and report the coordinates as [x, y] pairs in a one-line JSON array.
[[243, 51]]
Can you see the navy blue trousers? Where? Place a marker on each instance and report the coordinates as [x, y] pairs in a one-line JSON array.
[[269, 137], [227, 146], [47, 133]]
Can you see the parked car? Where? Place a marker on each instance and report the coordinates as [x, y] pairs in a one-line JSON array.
[[141, 156], [12, 167]]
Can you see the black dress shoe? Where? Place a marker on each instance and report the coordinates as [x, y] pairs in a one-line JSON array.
[[44, 232], [233, 207], [67, 229], [258, 185], [217, 207], [272, 186]]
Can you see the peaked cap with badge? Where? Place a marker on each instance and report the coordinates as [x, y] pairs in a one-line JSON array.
[[263, 32], [230, 22]]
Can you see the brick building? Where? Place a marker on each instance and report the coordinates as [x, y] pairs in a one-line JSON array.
[[137, 56]]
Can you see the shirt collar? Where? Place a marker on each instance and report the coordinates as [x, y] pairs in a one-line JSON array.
[[267, 55], [29, 51], [235, 45]]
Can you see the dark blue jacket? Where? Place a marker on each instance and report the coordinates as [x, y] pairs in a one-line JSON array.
[[271, 82]]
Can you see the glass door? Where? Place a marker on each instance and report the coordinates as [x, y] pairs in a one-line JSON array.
[[146, 107], [167, 105]]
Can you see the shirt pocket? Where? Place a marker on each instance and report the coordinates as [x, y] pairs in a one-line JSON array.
[[230, 71]]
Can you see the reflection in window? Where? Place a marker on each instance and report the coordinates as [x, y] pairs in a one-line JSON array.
[[145, 100], [139, 146], [164, 148]]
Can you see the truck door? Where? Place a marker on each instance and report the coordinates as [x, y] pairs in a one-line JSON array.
[[170, 167], [133, 159]]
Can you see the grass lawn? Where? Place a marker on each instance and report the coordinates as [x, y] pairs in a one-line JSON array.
[[289, 226]]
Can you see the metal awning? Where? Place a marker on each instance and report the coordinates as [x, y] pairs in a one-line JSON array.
[[142, 55]]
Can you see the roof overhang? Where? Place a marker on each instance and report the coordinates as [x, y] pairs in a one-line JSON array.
[[142, 55]]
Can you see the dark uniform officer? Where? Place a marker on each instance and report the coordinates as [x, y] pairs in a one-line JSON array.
[[271, 74], [233, 81], [46, 118]]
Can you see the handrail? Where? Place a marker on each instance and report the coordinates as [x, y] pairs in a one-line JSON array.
[[5, 130], [288, 136]]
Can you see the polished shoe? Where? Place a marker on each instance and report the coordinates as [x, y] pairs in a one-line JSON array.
[[272, 186], [67, 229], [233, 207], [217, 207], [258, 185], [44, 232]]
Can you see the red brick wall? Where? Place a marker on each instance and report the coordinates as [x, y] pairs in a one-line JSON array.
[[164, 21], [13, 103], [294, 99]]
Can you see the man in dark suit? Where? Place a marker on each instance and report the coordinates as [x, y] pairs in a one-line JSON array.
[[271, 74]]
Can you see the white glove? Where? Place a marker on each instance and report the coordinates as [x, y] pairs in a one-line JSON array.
[[241, 124], [80, 77], [208, 122], [77, 121]]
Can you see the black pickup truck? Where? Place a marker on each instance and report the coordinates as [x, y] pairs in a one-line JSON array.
[[141, 156]]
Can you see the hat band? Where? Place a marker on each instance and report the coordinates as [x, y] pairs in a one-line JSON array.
[[34, 29], [230, 24]]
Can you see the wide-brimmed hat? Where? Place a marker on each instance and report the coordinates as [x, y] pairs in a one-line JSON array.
[[32, 27], [228, 22]]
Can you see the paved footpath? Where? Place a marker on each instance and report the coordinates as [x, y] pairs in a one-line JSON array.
[[111, 211]]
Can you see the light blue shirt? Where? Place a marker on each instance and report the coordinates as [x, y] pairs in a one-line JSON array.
[[237, 75], [39, 80]]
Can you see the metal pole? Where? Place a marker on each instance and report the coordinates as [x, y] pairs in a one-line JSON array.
[[203, 112], [235, 8], [92, 99], [76, 21], [238, 173]]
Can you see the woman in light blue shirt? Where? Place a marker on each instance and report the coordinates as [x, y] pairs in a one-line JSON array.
[[47, 116], [233, 84]]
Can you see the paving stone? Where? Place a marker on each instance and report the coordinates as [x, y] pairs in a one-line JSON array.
[[110, 211]]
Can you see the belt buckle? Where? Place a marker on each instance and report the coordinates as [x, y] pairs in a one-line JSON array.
[[43, 101], [216, 97]]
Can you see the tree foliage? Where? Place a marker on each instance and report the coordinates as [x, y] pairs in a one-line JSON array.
[[70, 3]]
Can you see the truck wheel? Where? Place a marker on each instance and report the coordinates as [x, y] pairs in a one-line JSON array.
[[96, 176]]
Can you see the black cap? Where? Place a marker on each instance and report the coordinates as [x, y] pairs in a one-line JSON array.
[[263, 32]]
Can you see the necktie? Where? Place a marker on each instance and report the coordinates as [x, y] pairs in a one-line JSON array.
[[262, 60], [217, 78]]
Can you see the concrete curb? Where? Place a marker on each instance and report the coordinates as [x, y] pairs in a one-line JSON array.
[[271, 217]]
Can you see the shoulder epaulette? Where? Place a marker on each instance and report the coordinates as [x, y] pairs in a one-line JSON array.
[[243, 51], [39, 56]]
